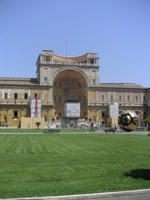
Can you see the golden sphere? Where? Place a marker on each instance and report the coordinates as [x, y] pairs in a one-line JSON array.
[[128, 120]]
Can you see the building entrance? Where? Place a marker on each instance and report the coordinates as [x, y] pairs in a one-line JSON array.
[[70, 86]]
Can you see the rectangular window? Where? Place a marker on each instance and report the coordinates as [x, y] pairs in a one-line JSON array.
[[5, 119], [103, 114], [136, 98], [26, 96], [15, 114], [72, 84], [45, 80], [120, 98], [5, 95], [94, 82], [102, 97], [79, 84], [48, 58], [15, 96], [144, 98], [59, 98], [111, 97], [128, 98], [92, 61], [66, 85]]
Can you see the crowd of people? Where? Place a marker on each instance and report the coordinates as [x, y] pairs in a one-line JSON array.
[[83, 125]]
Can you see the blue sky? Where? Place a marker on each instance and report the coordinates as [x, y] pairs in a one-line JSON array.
[[118, 30]]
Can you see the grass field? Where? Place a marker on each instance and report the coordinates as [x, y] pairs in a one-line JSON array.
[[40, 165]]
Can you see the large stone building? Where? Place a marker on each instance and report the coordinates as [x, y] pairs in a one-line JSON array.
[[60, 79]]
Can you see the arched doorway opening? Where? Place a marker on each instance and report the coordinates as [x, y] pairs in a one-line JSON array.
[[69, 86]]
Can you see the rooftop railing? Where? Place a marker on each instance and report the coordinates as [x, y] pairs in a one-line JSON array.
[[120, 103], [21, 102], [69, 63]]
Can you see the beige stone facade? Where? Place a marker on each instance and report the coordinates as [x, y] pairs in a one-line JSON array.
[[60, 79]]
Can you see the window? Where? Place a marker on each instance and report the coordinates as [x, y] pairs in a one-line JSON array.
[[45, 80], [45, 118], [72, 83], [48, 58], [79, 84], [144, 98], [128, 98], [136, 98], [103, 97], [55, 84], [57, 118], [54, 98], [5, 95], [79, 98], [15, 114], [120, 98], [15, 96], [92, 61], [103, 114], [93, 82], [59, 114], [5, 119], [111, 97], [26, 96], [59, 98], [66, 85], [59, 84]]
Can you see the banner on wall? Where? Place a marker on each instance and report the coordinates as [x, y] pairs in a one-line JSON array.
[[72, 109]]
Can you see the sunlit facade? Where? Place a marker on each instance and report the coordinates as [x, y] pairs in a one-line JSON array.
[[60, 79]]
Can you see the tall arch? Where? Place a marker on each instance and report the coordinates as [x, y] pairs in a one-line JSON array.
[[72, 69], [69, 85]]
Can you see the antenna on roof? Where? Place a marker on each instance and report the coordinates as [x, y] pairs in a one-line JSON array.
[[66, 49]]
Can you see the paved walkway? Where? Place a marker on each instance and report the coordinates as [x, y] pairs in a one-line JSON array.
[[125, 195], [146, 133]]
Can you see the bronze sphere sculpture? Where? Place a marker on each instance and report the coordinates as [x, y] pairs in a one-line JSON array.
[[128, 120]]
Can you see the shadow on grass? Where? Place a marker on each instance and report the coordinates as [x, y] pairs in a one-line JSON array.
[[139, 173]]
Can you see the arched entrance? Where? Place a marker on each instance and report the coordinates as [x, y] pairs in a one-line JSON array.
[[69, 85]]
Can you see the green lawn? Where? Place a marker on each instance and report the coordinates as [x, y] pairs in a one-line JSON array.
[[55, 164]]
